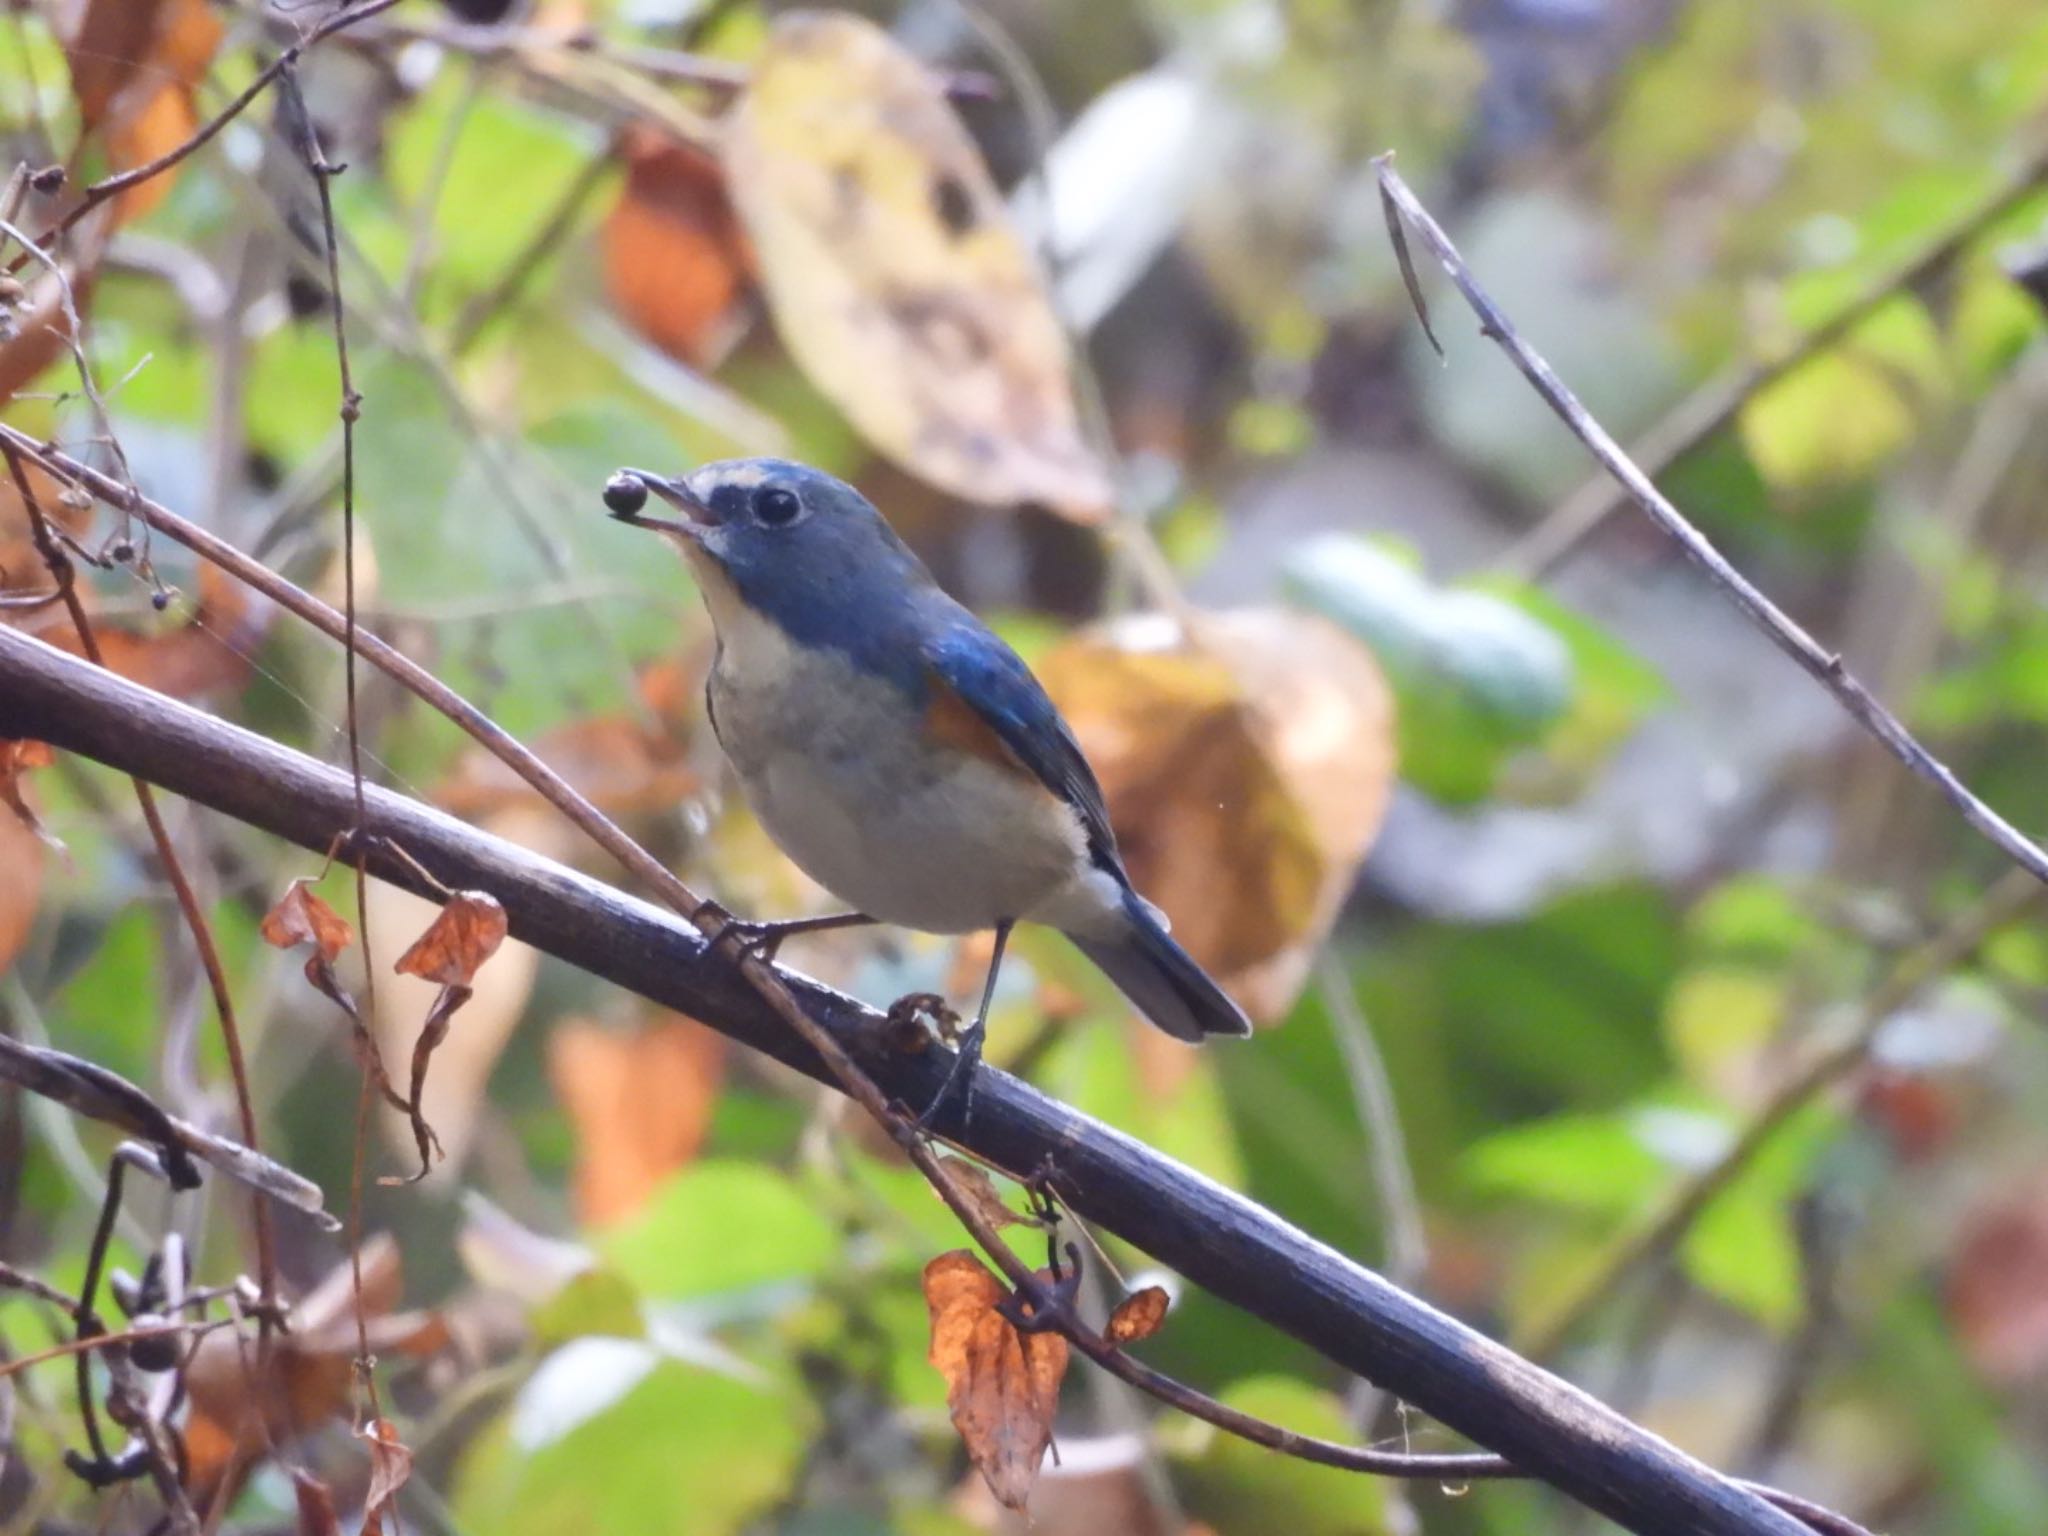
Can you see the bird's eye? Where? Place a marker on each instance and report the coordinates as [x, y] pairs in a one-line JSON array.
[[776, 507]]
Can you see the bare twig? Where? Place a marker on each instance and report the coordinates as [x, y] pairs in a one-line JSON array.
[[1713, 407], [21, 1280], [121, 1340], [1400, 1212], [301, 129], [91, 1090], [1823, 665], [1915, 969]]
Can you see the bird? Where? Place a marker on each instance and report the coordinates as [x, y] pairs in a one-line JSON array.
[[895, 748]]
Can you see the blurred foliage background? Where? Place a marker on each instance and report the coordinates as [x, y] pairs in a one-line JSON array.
[[1543, 1053]]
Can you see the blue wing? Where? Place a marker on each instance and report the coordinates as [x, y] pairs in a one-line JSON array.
[[990, 679]]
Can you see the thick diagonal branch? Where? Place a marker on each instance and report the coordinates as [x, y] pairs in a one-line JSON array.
[[1218, 1239]]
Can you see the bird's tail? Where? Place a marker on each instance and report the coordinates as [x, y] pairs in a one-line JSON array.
[[1161, 978]]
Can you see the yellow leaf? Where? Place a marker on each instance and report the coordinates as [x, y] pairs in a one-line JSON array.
[[894, 275], [1245, 779]]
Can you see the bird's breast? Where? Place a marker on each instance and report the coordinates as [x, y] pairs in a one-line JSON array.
[[914, 824]]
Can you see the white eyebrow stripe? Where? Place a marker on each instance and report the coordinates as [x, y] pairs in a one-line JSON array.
[[746, 476]]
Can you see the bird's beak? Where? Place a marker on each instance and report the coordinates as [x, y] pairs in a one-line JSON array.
[[698, 516]]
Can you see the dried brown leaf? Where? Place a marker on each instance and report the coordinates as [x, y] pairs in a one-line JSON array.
[[1002, 1385], [619, 763], [894, 274], [1266, 751], [412, 1009], [300, 917], [466, 933], [676, 262], [640, 1102], [1137, 1316], [390, 1467], [1997, 1285]]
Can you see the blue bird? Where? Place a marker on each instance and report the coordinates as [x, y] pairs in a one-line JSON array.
[[898, 751]]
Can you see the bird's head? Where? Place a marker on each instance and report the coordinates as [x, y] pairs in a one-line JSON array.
[[784, 538]]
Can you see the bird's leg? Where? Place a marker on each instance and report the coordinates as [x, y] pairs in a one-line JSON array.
[[764, 939], [967, 1056]]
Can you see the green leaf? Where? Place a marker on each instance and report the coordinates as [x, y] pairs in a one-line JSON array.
[[719, 1227], [1594, 1163], [108, 1010], [682, 1451], [1742, 1250], [294, 393], [510, 166], [596, 1302], [1237, 1486], [1751, 917]]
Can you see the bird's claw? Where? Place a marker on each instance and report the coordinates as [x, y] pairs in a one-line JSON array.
[[759, 941]]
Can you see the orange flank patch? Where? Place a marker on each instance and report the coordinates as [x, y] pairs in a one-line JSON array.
[[951, 721]]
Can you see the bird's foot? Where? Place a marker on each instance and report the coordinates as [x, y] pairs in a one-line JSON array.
[[959, 1080]]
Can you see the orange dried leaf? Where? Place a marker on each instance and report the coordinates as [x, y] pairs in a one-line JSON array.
[[1002, 1385], [135, 66], [1137, 1316], [640, 1103], [300, 917], [463, 935], [411, 1007], [676, 262], [466, 933], [153, 129], [23, 842], [894, 274]]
